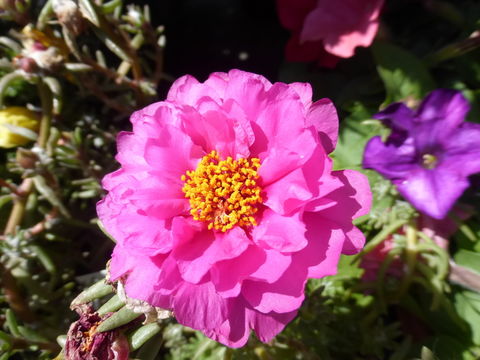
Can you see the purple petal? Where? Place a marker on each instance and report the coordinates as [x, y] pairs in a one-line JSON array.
[[390, 161], [433, 191], [464, 148], [439, 115], [397, 116]]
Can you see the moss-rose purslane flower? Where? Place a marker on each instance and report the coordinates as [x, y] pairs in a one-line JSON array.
[[226, 203], [430, 152], [323, 30]]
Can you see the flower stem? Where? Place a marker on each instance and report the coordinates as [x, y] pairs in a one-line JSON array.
[[411, 258], [14, 298]]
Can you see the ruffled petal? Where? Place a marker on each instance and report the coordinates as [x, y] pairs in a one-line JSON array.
[[273, 267], [283, 296], [325, 244], [228, 275], [283, 158], [288, 193], [188, 91], [267, 326], [199, 306], [281, 233], [143, 278], [323, 116], [196, 256]]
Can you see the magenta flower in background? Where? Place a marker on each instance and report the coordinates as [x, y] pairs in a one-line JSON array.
[[226, 203], [430, 152], [324, 30]]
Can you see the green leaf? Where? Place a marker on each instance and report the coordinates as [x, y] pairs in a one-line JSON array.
[[448, 348], [467, 304], [352, 138], [468, 259], [97, 290], [44, 189], [113, 304], [121, 317], [11, 322], [428, 354], [141, 335], [404, 75]]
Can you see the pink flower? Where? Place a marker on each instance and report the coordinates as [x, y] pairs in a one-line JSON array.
[[226, 203], [323, 30], [373, 261]]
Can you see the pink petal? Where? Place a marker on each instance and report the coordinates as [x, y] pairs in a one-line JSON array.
[[318, 175], [352, 200], [172, 154], [199, 306], [224, 129], [281, 233], [249, 91], [267, 326], [288, 193], [344, 45], [354, 241], [325, 243], [121, 263], [235, 330], [228, 275], [342, 25], [304, 90], [323, 115], [196, 257], [187, 90], [283, 296], [283, 158], [273, 267], [142, 280]]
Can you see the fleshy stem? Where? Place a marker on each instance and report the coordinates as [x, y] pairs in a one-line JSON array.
[[26, 187], [411, 257], [379, 238], [15, 300]]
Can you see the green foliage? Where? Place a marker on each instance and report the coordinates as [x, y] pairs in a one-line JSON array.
[[404, 75]]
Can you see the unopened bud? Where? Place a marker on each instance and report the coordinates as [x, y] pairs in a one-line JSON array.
[[26, 158]]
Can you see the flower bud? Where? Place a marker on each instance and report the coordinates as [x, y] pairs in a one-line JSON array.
[[18, 126], [26, 159]]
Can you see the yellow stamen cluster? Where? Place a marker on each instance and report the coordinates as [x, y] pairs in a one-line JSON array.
[[88, 337], [224, 193]]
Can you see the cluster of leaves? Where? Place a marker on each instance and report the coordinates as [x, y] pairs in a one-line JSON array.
[[423, 301], [83, 69]]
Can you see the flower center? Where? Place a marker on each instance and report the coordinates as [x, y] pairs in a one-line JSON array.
[[224, 193], [429, 161]]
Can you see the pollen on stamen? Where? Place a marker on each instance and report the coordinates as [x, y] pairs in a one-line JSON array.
[[224, 193]]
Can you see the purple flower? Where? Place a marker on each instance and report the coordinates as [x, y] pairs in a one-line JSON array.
[[430, 152]]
